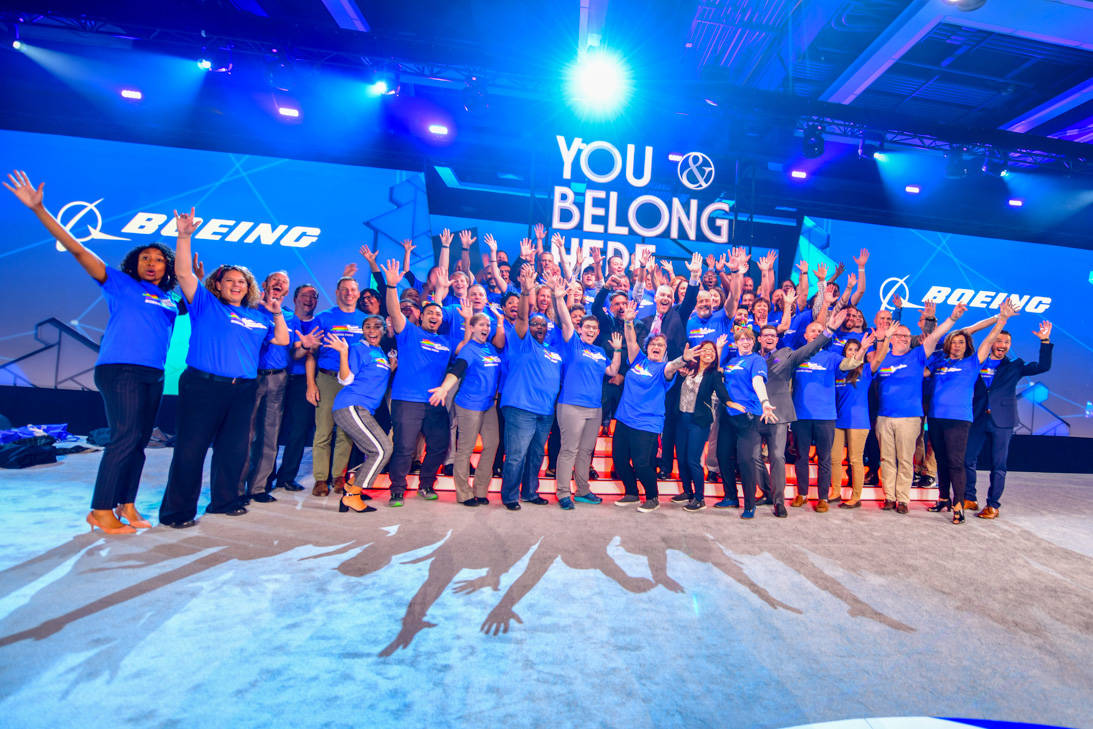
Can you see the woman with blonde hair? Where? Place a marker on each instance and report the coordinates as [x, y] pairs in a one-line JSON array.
[[216, 391]]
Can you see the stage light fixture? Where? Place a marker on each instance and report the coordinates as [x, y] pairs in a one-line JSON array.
[[598, 83], [996, 167], [438, 129], [956, 165], [912, 189], [799, 175], [205, 64], [132, 94], [1016, 203], [871, 145], [812, 141], [289, 111], [13, 37], [384, 81]]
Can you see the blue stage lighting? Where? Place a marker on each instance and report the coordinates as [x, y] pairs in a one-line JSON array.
[[288, 111], [17, 44], [799, 175], [438, 129], [131, 94], [1016, 203], [205, 64], [912, 189], [598, 83], [880, 156], [379, 88]]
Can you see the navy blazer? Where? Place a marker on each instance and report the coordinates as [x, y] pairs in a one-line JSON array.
[[1000, 399]]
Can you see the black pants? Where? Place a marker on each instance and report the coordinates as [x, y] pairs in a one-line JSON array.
[[209, 413], [499, 459], [633, 451], [409, 419], [610, 401], [299, 420], [738, 447], [671, 419], [554, 444], [131, 395], [819, 433], [950, 441], [690, 439]]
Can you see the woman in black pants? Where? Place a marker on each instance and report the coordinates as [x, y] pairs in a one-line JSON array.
[[129, 370], [216, 391], [702, 379]]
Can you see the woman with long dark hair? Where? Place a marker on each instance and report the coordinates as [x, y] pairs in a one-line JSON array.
[[216, 391], [701, 379], [129, 369]]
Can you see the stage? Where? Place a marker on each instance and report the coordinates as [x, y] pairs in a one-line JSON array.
[[440, 615]]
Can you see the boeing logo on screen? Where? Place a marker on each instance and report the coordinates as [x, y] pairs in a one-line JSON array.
[[81, 208], [699, 171], [228, 231], [972, 298]]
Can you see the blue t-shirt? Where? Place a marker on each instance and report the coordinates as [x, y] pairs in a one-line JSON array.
[[739, 372], [701, 330], [534, 373], [478, 390], [795, 336], [371, 371], [648, 304], [584, 367], [422, 362], [954, 385], [642, 403], [900, 387], [988, 368], [272, 356], [345, 324], [814, 386], [297, 366], [852, 401], [225, 339], [142, 316]]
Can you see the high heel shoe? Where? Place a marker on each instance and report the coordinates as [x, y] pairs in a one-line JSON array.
[[941, 505], [123, 529], [138, 523], [958, 516], [343, 507]]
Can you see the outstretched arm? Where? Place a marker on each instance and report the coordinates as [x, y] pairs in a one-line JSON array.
[[527, 283], [861, 260], [1044, 363], [632, 348], [444, 259], [393, 276], [184, 270], [1004, 313], [929, 342], [466, 240], [33, 198], [616, 357], [561, 313]]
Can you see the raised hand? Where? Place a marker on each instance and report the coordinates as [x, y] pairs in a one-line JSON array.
[[391, 272], [839, 268], [722, 340], [272, 305], [22, 188], [802, 267], [767, 262], [695, 266], [527, 276], [881, 332], [1044, 332], [466, 310], [958, 311], [688, 353], [631, 311], [709, 260], [616, 340], [335, 342], [558, 241], [349, 271], [667, 266], [721, 262], [442, 280], [867, 342], [862, 258], [837, 319], [312, 340], [368, 255], [646, 256], [929, 309], [488, 239], [540, 231], [897, 302], [1006, 310], [445, 238], [186, 223], [596, 253], [851, 280], [526, 251], [199, 268], [408, 245], [821, 272], [554, 281], [466, 239]]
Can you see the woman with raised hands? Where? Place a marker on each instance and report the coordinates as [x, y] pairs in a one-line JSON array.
[[475, 371], [639, 418], [216, 391], [132, 353], [702, 379], [852, 421], [364, 373]]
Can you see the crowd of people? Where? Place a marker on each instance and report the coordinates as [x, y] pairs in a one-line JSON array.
[[712, 374]]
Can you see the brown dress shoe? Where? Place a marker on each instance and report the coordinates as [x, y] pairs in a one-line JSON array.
[[902, 508], [888, 505], [798, 500], [989, 512], [971, 505], [821, 506], [339, 485], [320, 489]]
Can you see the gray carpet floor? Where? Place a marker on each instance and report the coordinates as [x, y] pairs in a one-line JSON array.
[[439, 615]]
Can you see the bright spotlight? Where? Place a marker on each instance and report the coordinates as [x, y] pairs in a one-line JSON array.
[[880, 156], [799, 175], [205, 64], [17, 44], [288, 111], [598, 83], [379, 88], [132, 94], [1015, 203], [912, 189], [438, 129]]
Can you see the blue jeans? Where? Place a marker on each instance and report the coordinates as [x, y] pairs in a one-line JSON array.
[[525, 437], [690, 440], [1000, 449]]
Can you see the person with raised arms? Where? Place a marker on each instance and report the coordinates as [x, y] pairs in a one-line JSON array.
[[475, 371], [216, 391], [423, 356], [299, 413], [342, 320], [852, 421], [702, 378], [527, 399], [363, 372], [899, 370], [132, 354], [639, 418]]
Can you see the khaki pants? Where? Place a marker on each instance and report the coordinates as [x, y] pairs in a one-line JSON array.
[[897, 455], [854, 440], [324, 432], [925, 462], [470, 424]]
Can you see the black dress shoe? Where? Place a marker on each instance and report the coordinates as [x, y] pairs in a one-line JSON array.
[[538, 501], [482, 500], [888, 505], [181, 524], [233, 511], [765, 501], [263, 498], [714, 477], [290, 486], [780, 511], [593, 475], [470, 502], [448, 470], [871, 479], [514, 506], [498, 472], [415, 467], [550, 473], [662, 474]]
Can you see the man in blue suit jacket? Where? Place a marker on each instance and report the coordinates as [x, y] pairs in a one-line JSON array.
[[994, 408]]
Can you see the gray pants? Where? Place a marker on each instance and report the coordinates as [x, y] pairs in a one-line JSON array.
[[774, 483], [471, 423], [579, 427], [359, 425], [265, 426], [711, 442]]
